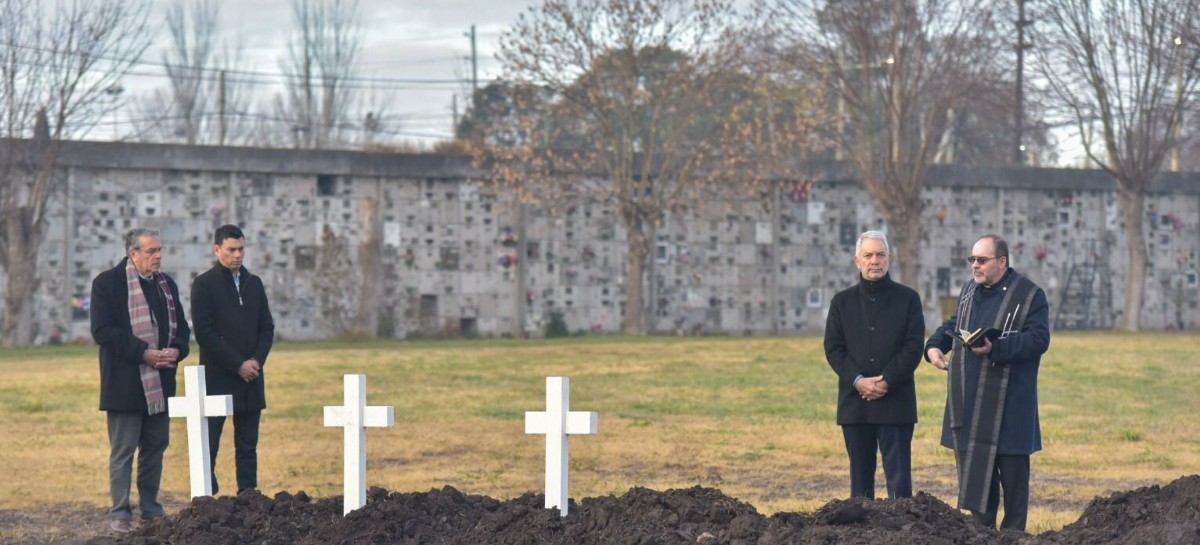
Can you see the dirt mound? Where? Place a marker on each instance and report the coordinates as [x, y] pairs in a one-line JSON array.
[[1161, 516], [1168, 515]]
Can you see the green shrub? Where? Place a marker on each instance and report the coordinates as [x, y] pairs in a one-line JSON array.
[[556, 327]]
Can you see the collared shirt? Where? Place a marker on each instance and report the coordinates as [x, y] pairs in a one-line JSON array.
[[237, 284]]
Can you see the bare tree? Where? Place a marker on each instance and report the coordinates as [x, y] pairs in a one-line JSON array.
[[187, 61], [639, 114], [1128, 67], [321, 58], [55, 68], [196, 105], [371, 121], [898, 69], [982, 131]]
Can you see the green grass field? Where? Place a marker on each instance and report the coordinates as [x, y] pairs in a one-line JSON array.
[[753, 417]]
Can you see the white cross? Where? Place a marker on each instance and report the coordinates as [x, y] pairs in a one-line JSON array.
[[355, 416], [557, 422], [196, 407]]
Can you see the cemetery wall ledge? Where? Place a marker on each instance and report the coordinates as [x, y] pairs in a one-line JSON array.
[[142, 156]]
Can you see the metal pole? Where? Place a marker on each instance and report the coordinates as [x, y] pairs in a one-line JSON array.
[[1019, 128], [474, 68], [221, 109]]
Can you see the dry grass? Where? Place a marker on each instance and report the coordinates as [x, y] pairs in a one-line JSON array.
[[753, 417]]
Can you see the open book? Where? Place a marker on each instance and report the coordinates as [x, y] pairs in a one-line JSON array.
[[972, 339]]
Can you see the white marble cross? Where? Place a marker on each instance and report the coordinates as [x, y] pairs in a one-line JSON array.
[[355, 416], [196, 407], [557, 422]]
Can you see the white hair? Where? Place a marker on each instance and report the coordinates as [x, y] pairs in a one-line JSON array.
[[877, 235], [133, 238]]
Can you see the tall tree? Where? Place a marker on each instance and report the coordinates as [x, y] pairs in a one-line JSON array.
[[322, 56], [638, 118], [982, 131], [187, 61], [1128, 67], [56, 63], [898, 69], [195, 107], [502, 104]]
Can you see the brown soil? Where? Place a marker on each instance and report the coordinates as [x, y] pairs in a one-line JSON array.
[[1167, 515]]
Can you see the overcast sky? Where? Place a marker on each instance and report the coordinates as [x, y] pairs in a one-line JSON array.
[[423, 40], [401, 39]]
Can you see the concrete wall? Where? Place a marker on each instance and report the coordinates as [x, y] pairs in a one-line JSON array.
[[447, 243]]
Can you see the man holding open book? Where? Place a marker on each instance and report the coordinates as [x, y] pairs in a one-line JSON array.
[[996, 339], [873, 340]]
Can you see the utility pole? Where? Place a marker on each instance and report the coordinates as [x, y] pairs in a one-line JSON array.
[[474, 67], [114, 92], [221, 109], [1019, 122]]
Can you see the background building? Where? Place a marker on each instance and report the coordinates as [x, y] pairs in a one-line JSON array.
[[411, 245]]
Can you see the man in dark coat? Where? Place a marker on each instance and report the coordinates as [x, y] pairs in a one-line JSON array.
[[142, 333], [991, 418], [235, 331], [873, 340]]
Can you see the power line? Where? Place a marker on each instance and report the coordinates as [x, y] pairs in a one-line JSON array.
[[210, 73]]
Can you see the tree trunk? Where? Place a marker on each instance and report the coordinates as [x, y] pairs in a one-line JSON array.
[[905, 240], [650, 318], [369, 262], [21, 281], [634, 281], [902, 215], [18, 309], [1133, 204]]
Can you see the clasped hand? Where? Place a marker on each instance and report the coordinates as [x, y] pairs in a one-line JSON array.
[[249, 370], [871, 388], [161, 359]]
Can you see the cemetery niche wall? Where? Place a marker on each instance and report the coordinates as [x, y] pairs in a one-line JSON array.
[[415, 245]]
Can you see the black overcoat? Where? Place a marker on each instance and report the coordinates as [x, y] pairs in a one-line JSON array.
[[1020, 427], [875, 328], [120, 351], [231, 328]]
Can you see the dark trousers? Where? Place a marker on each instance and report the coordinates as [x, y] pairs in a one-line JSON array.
[[245, 447], [895, 442], [147, 436], [1010, 472]]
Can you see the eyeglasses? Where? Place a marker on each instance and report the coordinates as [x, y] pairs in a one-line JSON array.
[[150, 251], [981, 260]]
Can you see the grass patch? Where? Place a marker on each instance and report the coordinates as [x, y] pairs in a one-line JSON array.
[[751, 416]]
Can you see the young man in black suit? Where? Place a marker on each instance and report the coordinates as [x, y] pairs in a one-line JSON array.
[[235, 331]]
